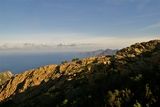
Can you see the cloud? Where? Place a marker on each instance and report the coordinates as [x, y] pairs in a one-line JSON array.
[[152, 26], [142, 16], [73, 41], [19, 46], [119, 42], [74, 45]]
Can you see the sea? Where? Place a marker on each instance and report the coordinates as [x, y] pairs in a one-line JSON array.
[[19, 62]]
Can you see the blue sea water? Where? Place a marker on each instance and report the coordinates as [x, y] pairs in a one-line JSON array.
[[20, 62]]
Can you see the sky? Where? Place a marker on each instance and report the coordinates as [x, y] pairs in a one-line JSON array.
[[102, 23]]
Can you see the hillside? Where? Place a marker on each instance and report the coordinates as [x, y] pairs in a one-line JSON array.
[[130, 78]]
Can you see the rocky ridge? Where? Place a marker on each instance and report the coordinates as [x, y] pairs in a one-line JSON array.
[[128, 78], [5, 76]]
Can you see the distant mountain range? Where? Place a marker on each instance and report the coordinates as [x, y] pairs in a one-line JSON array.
[[101, 52], [129, 78]]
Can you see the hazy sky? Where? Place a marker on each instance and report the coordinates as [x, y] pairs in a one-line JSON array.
[[111, 23]]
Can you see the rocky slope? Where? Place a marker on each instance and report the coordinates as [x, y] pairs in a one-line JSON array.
[[129, 78], [5, 76]]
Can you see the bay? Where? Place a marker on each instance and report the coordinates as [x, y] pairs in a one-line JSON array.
[[19, 62]]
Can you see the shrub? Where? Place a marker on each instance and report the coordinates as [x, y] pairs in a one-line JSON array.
[[75, 59], [63, 62]]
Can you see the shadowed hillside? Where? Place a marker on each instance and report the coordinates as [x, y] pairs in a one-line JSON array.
[[130, 78]]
